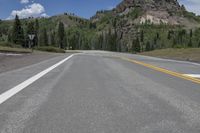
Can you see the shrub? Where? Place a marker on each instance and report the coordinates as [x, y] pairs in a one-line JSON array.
[[51, 49]]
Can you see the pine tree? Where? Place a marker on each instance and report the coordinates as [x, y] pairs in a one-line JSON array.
[[133, 46], [155, 44], [109, 40], [61, 35], [148, 46], [152, 47], [190, 43], [157, 36], [142, 40], [181, 35], [191, 33], [137, 45], [37, 27], [30, 31], [44, 37], [174, 43], [17, 32], [114, 41], [199, 44], [9, 39], [142, 36], [136, 48], [169, 35], [30, 28], [53, 42]]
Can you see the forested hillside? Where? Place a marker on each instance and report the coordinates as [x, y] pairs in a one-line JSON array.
[[133, 26]]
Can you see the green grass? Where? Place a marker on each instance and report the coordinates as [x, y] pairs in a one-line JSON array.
[[188, 54], [14, 50], [51, 49]]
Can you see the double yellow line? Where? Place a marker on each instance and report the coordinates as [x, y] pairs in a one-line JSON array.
[[176, 74]]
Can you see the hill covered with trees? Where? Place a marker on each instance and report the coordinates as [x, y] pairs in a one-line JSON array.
[[133, 26]]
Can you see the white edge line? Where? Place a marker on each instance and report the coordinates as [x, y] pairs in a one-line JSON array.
[[192, 75], [13, 91]]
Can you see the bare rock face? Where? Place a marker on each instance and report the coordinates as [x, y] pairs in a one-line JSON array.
[[154, 11], [146, 5]]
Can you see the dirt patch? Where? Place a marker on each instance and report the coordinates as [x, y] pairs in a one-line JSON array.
[[10, 61]]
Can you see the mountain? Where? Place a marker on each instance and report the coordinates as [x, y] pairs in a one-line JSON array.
[[152, 11], [156, 23], [131, 18]]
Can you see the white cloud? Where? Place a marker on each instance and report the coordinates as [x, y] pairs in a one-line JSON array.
[[33, 10], [24, 1]]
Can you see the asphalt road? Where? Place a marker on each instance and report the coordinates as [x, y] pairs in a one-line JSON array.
[[99, 92]]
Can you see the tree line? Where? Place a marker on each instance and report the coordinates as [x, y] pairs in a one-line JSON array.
[[88, 37], [19, 34]]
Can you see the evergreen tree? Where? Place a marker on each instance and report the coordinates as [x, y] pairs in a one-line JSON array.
[[199, 44], [17, 32], [37, 27], [148, 46], [137, 45], [114, 23], [191, 33], [133, 46], [169, 35], [181, 34], [142, 40], [142, 36], [53, 42], [114, 41], [30, 28], [190, 43], [174, 43], [152, 47], [61, 35], [157, 36], [9, 39], [109, 40], [155, 44], [44, 37]]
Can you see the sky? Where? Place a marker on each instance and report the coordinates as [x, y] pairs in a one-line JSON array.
[[83, 8]]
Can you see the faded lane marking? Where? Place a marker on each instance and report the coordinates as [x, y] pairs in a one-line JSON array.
[[13, 91], [176, 74], [193, 75]]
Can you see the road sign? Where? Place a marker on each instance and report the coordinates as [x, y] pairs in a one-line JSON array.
[[31, 37]]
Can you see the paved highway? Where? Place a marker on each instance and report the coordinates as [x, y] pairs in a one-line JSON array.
[[101, 92]]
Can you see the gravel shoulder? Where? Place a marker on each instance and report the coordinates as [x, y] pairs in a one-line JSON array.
[[10, 61]]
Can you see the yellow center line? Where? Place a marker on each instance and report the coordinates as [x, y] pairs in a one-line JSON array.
[[176, 74]]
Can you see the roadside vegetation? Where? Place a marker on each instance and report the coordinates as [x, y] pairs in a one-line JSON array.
[[51, 49], [188, 54], [14, 50]]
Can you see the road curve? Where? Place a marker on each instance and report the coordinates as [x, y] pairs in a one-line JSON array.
[[98, 92]]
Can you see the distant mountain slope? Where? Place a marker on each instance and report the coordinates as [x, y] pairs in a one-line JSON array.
[[50, 24], [153, 23], [152, 11], [131, 17]]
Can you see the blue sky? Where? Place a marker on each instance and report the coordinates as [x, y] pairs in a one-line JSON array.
[[83, 8]]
